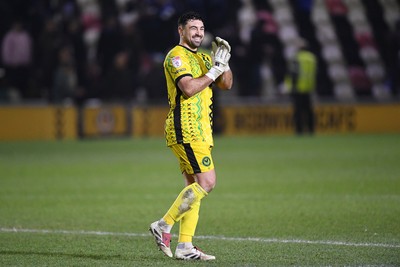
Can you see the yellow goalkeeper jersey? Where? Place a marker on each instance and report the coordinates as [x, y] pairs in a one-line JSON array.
[[190, 118]]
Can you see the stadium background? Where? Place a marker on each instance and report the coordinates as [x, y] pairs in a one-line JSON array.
[[91, 68]]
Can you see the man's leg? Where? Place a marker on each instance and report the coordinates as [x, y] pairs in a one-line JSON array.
[[297, 114], [310, 120], [187, 205], [185, 249], [189, 221], [189, 196], [188, 224]]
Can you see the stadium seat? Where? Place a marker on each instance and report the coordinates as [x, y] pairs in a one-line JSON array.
[[332, 53], [359, 80], [369, 54], [338, 73], [326, 34], [336, 7], [270, 26], [356, 15], [375, 72], [283, 15], [343, 91], [320, 16], [365, 39], [381, 91], [391, 12], [288, 33]]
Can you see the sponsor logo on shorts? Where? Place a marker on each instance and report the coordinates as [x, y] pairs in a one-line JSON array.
[[206, 161]]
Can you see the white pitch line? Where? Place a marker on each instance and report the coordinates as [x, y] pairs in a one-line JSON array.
[[250, 239]]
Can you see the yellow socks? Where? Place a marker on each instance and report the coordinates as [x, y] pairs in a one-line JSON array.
[[188, 224], [186, 207]]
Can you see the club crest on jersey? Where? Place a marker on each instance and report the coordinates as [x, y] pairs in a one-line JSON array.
[[176, 62], [206, 161]]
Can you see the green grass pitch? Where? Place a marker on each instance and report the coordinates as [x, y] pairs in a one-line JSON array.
[[280, 201]]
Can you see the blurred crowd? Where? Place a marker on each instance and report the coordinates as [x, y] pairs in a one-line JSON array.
[[53, 50], [113, 50]]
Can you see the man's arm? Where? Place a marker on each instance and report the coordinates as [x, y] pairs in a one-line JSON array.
[[191, 86], [225, 81]]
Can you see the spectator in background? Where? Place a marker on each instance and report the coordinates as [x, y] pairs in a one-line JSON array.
[[131, 42], [263, 51], [47, 46], [108, 45], [93, 84], [119, 81], [74, 39], [394, 59], [65, 84], [263, 55], [17, 58], [247, 19], [152, 78], [4, 93], [7, 17], [301, 81], [160, 17]]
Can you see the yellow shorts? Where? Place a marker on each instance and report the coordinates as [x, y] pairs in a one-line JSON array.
[[193, 158]]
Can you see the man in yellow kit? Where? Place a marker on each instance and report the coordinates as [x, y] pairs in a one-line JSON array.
[[188, 129], [301, 81]]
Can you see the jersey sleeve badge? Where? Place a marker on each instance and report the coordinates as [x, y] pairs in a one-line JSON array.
[[176, 62]]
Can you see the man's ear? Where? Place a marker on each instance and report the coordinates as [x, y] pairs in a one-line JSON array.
[[180, 31]]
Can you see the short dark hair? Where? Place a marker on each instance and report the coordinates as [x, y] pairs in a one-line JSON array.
[[191, 15]]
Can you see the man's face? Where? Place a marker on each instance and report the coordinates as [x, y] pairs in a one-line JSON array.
[[192, 34]]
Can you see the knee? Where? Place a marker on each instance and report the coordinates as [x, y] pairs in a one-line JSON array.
[[208, 185], [207, 180]]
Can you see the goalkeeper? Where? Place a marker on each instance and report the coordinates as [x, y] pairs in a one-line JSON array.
[[190, 76]]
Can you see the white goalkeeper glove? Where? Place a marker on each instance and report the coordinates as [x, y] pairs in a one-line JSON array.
[[221, 58], [221, 41], [217, 43]]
